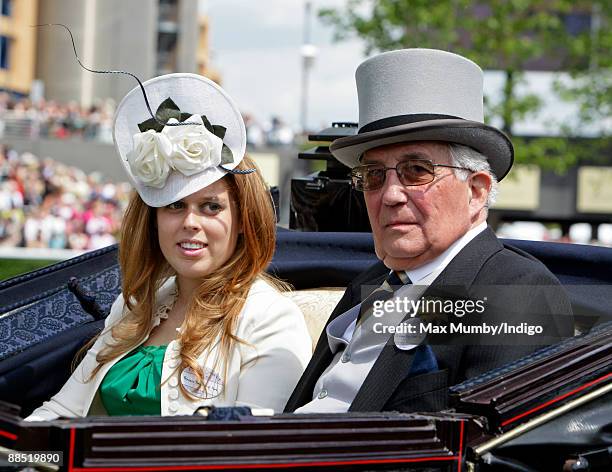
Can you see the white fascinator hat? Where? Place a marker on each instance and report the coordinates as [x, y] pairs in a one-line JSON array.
[[196, 136]]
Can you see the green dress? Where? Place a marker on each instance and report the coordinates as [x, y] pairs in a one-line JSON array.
[[133, 385]]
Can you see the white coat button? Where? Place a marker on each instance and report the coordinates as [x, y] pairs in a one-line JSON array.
[[345, 357], [173, 394], [173, 363], [322, 393], [173, 382], [173, 406]]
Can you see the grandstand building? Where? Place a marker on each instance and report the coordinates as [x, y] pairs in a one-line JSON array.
[[17, 45], [144, 37]]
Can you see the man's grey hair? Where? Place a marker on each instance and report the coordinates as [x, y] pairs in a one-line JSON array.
[[464, 156]]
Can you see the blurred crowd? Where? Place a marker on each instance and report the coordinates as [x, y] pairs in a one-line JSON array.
[[577, 233], [21, 117], [46, 204], [49, 119]]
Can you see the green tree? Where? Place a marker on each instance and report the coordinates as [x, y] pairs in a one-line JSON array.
[[590, 87], [506, 35]]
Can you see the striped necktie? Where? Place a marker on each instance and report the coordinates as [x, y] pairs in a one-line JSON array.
[[394, 281]]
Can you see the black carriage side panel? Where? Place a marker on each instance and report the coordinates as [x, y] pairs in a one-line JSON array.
[[39, 284], [47, 316]]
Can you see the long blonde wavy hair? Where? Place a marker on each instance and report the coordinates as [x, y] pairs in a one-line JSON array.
[[214, 309]]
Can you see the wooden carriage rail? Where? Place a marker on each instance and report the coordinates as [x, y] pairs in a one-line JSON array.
[[280, 442], [540, 382], [533, 423], [289, 441]]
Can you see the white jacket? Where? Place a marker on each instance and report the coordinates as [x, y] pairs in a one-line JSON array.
[[261, 372]]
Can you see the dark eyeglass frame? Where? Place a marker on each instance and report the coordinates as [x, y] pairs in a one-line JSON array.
[[358, 183]]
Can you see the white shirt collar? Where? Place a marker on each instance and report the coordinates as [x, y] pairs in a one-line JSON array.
[[426, 273], [340, 330]]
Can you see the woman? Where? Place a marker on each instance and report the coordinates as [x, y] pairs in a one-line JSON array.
[[198, 322]]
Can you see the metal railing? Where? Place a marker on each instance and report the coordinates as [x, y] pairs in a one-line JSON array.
[[16, 126]]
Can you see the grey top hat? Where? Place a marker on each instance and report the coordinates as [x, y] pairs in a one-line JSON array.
[[422, 95]]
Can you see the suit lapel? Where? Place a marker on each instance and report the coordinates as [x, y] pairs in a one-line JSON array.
[[393, 364]]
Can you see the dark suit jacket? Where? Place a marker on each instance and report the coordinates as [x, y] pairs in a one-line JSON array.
[[483, 261]]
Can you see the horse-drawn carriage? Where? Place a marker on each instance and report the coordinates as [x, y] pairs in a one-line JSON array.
[[549, 411]]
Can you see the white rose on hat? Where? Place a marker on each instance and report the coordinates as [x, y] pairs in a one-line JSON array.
[[193, 147], [187, 145], [149, 158]]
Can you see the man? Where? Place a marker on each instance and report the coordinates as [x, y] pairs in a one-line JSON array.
[[428, 167]]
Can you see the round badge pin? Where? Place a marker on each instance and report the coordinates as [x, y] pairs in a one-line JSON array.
[[408, 334], [213, 383]]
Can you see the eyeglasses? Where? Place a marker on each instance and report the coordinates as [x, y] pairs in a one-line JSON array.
[[410, 172]]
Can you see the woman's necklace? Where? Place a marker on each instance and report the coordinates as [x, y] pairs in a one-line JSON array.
[[166, 306]]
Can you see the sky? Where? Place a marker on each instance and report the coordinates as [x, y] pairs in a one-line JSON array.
[[256, 47]]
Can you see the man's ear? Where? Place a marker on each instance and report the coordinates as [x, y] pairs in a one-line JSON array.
[[479, 186]]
